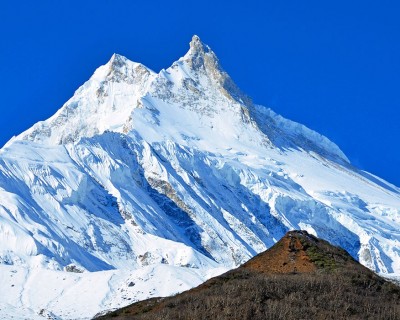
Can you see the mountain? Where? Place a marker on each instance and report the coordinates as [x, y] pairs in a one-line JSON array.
[[146, 184], [300, 277]]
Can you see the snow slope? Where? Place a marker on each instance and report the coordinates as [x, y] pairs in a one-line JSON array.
[[149, 183]]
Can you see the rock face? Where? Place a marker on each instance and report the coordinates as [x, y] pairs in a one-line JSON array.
[[179, 169], [300, 277]]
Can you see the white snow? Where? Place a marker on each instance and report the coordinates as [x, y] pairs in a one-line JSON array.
[[39, 293], [148, 184]]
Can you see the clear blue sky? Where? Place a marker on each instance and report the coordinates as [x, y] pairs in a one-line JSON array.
[[331, 65]]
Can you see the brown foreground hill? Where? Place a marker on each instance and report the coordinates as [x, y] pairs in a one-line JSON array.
[[300, 277]]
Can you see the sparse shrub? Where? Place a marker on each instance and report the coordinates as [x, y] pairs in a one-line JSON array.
[[236, 295], [337, 288]]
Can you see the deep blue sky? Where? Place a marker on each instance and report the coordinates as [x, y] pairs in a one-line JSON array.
[[331, 65]]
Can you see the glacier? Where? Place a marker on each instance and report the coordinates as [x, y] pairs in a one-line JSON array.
[[146, 184]]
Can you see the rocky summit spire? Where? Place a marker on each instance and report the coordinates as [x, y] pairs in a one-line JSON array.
[[117, 61], [200, 56], [201, 59], [196, 45]]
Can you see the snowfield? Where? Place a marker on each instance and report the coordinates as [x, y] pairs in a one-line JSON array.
[[32, 293], [146, 184]]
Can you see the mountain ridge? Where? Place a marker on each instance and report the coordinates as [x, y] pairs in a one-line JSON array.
[[143, 173], [120, 69]]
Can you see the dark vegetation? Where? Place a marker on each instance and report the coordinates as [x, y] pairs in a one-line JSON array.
[[301, 277]]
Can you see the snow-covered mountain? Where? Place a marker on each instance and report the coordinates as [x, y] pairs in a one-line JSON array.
[[148, 183]]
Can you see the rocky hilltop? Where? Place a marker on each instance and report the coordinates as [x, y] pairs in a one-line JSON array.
[[300, 277]]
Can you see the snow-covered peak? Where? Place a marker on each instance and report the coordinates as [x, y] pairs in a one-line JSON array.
[[118, 61], [124, 96], [146, 172], [104, 102], [121, 69]]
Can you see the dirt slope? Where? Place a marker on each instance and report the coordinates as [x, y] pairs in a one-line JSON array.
[[300, 277]]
